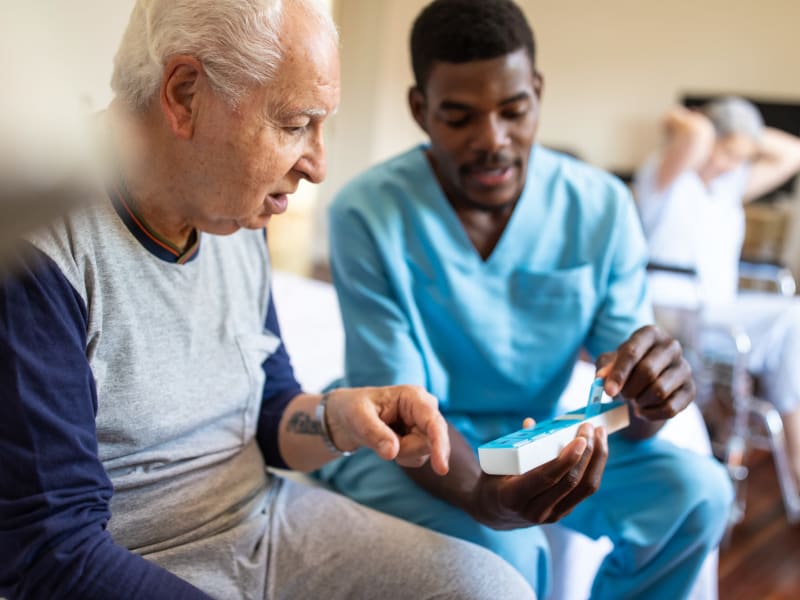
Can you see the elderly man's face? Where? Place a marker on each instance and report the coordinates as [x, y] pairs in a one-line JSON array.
[[482, 118], [249, 159]]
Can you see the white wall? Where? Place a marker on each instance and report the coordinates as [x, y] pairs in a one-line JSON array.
[[612, 67], [82, 36]]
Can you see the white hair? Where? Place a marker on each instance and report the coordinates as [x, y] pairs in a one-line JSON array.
[[237, 42], [733, 115]]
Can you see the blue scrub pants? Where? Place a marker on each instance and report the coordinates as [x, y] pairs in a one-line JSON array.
[[664, 509]]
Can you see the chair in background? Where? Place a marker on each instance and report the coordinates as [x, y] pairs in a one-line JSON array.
[[738, 420], [767, 276]]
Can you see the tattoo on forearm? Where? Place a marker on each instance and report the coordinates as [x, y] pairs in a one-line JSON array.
[[303, 423]]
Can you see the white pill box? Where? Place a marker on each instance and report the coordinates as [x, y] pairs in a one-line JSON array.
[[526, 449]]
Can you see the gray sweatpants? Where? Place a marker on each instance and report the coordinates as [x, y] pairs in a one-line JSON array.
[[326, 546], [300, 542]]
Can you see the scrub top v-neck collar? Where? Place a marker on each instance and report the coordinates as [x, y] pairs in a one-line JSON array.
[[525, 221]]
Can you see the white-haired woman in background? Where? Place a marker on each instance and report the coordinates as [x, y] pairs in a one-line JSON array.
[[690, 196]]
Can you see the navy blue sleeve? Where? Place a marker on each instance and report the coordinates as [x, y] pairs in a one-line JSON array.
[[279, 389], [54, 495]]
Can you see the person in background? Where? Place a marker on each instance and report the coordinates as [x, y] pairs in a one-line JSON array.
[[480, 265], [145, 386], [690, 196]]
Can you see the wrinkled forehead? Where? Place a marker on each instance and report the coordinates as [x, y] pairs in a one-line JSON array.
[[307, 79]]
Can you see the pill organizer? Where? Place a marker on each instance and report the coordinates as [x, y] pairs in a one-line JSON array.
[[526, 449]]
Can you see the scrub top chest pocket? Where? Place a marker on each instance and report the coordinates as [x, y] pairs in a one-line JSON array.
[[551, 310]]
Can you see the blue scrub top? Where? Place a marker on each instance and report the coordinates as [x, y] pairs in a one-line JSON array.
[[493, 340]]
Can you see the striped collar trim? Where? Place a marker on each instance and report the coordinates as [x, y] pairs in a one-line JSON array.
[[153, 242]]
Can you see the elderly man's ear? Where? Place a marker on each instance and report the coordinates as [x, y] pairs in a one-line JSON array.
[[183, 77]]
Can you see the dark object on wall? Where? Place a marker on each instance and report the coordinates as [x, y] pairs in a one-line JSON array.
[[783, 114]]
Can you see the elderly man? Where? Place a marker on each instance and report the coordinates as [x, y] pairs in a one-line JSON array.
[[144, 384], [479, 266]]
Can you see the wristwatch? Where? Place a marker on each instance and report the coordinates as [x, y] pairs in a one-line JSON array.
[[326, 436]]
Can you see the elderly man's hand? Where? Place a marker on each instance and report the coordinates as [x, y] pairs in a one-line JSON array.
[[546, 493], [650, 372], [400, 423]]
